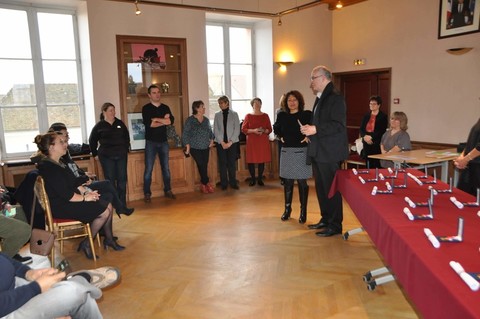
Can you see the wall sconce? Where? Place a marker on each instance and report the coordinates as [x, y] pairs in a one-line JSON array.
[[283, 65], [137, 10], [458, 51]]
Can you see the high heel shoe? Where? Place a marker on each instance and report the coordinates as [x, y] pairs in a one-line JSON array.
[[85, 247], [127, 212], [113, 244]]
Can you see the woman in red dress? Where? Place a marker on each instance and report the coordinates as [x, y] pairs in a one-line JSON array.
[[257, 127]]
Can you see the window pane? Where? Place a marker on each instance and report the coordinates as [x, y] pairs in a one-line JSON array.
[[240, 45], [14, 31], [242, 108], [21, 127], [16, 83], [70, 116], [60, 82], [215, 44], [52, 28], [242, 85], [216, 80]]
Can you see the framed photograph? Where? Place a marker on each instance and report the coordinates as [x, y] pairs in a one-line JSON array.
[[136, 129], [458, 17]]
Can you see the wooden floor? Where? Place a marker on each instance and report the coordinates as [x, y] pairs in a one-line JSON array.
[[228, 255]]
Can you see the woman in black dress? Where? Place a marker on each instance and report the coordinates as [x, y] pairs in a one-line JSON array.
[[293, 155], [374, 125], [67, 200]]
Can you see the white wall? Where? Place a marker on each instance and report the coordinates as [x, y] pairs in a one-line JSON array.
[[438, 91], [307, 34], [107, 19]]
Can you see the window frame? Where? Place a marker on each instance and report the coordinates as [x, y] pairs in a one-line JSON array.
[[227, 64], [41, 104]]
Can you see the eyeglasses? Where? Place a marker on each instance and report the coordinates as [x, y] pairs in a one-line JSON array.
[[315, 77]]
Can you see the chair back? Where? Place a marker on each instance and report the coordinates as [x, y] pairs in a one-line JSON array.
[[41, 194]]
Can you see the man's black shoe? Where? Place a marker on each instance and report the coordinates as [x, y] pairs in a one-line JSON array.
[[317, 226], [327, 233]]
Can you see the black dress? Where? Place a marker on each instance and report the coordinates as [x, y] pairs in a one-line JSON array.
[[60, 184]]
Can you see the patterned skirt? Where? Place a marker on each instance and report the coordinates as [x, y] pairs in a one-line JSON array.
[[293, 163]]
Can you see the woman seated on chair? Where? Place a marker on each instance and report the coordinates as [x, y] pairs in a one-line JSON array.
[[68, 201], [396, 139]]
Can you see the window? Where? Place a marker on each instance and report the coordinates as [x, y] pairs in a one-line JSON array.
[[39, 76], [230, 66]]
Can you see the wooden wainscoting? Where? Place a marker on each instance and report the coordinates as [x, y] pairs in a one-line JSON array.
[[14, 171]]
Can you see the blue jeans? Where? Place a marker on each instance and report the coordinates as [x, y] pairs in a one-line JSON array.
[[115, 170], [151, 150]]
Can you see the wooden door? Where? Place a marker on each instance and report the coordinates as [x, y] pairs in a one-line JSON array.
[[357, 88]]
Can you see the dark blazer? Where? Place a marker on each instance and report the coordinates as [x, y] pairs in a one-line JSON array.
[[330, 143], [381, 124]]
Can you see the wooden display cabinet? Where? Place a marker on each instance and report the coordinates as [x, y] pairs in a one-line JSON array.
[[143, 61]]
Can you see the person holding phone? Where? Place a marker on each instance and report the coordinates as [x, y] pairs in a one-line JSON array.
[[43, 293], [293, 155]]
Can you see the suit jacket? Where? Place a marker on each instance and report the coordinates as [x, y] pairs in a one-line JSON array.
[[330, 143], [233, 126]]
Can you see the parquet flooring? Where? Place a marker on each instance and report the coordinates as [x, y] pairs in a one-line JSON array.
[[228, 255]]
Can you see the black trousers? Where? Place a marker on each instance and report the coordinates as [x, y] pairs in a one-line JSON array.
[[227, 159], [201, 159], [469, 179], [331, 209]]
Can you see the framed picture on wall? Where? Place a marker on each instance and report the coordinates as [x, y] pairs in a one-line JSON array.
[[136, 129], [458, 17]]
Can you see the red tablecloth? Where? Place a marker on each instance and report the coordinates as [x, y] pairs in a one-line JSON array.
[[423, 271]]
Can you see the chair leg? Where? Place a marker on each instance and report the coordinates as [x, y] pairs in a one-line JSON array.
[[90, 238], [52, 256], [62, 234]]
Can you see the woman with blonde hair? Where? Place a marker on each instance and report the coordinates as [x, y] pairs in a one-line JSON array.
[[396, 139]]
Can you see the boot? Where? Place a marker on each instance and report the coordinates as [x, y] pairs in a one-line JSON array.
[[303, 192], [288, 190]]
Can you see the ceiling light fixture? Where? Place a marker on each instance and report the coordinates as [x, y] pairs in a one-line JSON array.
[[339, 5], [279, 23], [137, 10]]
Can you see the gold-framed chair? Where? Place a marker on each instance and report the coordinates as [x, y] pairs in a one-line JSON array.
[[61, 228]]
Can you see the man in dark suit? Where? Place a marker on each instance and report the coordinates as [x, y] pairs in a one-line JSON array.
[[328, 147], [460, 13]]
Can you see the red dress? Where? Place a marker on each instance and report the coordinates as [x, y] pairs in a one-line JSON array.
[[258, 146]]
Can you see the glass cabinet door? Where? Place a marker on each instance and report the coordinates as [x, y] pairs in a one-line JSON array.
[[150, 60]]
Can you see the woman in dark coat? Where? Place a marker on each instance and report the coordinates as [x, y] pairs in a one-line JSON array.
[[374, 124], [293, 156], [67, 200]]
